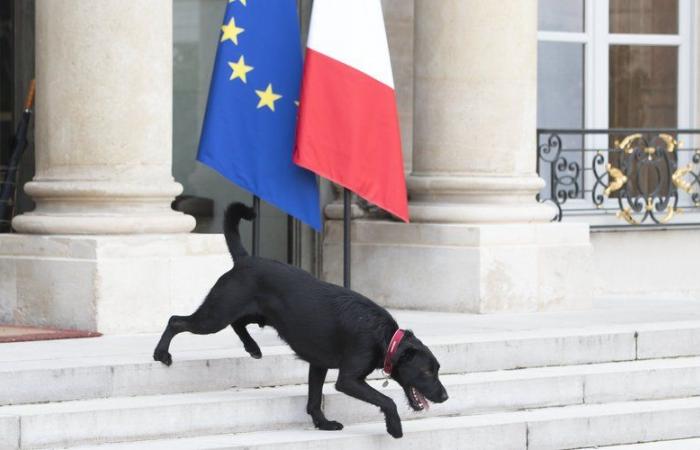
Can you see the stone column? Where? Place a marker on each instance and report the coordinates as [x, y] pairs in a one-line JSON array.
[[475, 117], [103, 250], [103, 120], [479, 241]]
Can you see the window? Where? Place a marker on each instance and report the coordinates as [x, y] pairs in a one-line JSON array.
[[561, 73], [613, 64], [644, 16]]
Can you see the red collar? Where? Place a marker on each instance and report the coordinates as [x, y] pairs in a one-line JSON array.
[[391, 350]]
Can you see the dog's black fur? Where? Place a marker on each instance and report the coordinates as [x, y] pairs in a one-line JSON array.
[[326, 325]]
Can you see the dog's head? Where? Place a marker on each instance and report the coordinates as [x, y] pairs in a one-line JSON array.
[[415, 368]]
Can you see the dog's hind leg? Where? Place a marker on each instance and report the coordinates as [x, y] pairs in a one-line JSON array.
[[197, 323], [248, 342], [317, 375]]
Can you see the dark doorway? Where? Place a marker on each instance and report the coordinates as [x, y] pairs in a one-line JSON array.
[[16, 73]]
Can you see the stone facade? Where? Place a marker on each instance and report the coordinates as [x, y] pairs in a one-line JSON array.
[[104, 251]]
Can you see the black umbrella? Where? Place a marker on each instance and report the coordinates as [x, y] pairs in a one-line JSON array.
[[20, 143]]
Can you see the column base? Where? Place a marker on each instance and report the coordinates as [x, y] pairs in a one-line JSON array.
[[109, 284], [477, 199], [465, 267], [486, 213], [167, 221], [103, 207]]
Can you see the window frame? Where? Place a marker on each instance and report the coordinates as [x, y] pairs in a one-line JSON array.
[[597, 39]]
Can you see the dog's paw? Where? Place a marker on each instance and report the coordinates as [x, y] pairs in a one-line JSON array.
[[393, 427], [254, 352], [329, 425], [163, 356]]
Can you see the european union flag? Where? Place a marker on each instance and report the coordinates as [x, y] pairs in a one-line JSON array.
[[250, 122]]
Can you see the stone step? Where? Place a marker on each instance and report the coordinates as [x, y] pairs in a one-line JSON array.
[[554, 428], [37, 372], [676, 444], [150, 417]]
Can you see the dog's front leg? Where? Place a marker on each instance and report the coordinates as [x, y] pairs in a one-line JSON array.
[[317, 376], [359, 389], [162, 352]]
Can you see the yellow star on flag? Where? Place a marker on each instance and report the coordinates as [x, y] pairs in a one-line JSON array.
[[231, 31], [239, 69], [243, 2], [267, 97]]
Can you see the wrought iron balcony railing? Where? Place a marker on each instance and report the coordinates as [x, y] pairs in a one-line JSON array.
[[612, 177]]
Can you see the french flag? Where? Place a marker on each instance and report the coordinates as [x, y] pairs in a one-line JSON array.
[[348, 128]]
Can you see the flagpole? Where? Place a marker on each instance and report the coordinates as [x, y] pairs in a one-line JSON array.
[[346, 237], [290, 239], [256, 226]]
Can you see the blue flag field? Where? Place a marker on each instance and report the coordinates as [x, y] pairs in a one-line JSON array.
[[250, 122]]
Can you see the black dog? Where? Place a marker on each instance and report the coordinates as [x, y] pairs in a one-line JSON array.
[[326, 325]]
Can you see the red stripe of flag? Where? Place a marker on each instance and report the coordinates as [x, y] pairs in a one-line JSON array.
[[348, 132]]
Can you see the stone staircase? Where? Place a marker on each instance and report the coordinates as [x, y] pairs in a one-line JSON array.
[[621, 375]]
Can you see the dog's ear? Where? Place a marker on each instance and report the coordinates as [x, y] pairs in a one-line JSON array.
[[407, 349]]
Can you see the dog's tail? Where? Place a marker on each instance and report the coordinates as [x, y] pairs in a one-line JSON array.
[[234, 213]]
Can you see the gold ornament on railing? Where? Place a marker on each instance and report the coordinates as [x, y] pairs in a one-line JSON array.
[[619, 179], [626, 213], [678, 180]]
